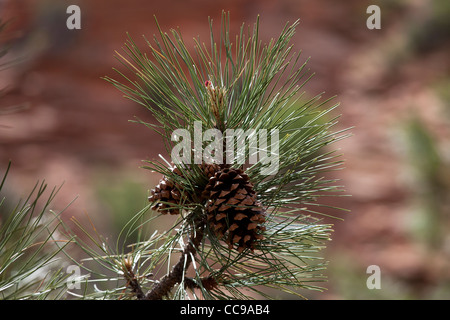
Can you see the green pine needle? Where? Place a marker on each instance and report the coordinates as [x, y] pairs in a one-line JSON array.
[[30, 247]]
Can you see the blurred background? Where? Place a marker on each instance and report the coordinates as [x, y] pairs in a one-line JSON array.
[[61, 122]]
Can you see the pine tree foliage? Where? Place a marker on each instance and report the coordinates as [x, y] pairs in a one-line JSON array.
[[247, 85], [30, 247], [236, 233]]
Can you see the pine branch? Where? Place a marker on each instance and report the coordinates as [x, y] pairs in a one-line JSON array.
[[165, 285], [132, 281], [268, 224], [244, 230]]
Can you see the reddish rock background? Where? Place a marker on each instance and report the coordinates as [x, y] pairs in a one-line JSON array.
[[70, 126]]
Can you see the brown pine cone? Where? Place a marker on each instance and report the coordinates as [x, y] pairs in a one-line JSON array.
[[232, 209], [167, 193]]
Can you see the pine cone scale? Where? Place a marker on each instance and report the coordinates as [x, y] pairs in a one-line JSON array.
[[167, 195]]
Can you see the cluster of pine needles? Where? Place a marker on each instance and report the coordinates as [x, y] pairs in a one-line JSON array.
[[221, 84]]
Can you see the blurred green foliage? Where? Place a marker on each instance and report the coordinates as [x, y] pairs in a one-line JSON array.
[[432, 185], [122, 195]]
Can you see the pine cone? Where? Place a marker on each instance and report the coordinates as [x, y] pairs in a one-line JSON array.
[[232, 209], [167, 192]]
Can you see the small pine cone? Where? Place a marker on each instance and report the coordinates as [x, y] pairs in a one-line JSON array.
[[167, 192], [232, 209]]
